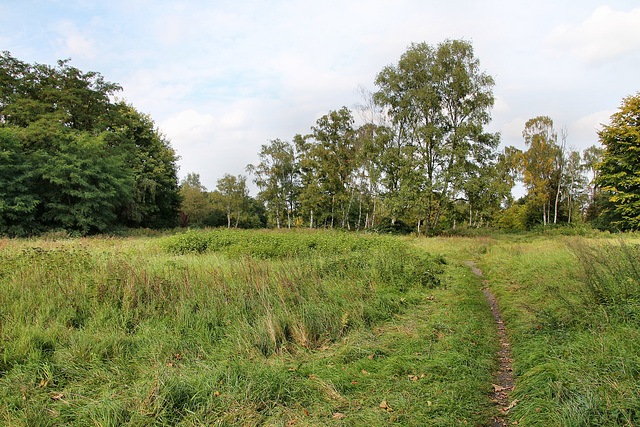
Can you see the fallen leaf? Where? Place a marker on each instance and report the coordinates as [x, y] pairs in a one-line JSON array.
[[339, 416], [413, 377], [365, 372], [385, 406], [371, 356], [498, 388], [354, 382], [514, 403], [305, 412], [216, 393], [57, 396]]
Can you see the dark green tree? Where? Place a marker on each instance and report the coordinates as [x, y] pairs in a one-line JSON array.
[[277, 179], [196, 203], [234, 197], [73, 159], [327, 159], [619, 171], [19, 199], [155, 200]]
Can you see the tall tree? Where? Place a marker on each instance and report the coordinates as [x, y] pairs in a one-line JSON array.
[[575, 184], [439, 100], [591, 157], [196, 203], [327, 164], [235, 196], [540, 163], [619, 171], [277, 178], [85, 163], [155, 199]]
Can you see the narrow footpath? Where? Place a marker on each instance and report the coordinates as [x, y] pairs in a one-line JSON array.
[[504, 379]]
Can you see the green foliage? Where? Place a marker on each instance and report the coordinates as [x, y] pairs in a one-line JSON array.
[[327, 161], [439, 101], [113, 332], [196, 203], [71, 159], [234, 197], [277, 177], [619, 171]]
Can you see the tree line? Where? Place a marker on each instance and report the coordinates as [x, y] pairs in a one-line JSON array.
[[423, 162], [73, 157]]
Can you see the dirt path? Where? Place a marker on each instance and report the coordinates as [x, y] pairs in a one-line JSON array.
[[504, 379]]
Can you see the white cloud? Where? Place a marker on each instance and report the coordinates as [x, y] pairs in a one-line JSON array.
[[584, 131], [605, 35], [73, 43], [500, 105], [513, 129], [213, 144]]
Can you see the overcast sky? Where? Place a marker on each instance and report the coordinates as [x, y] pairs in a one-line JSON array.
[[222, 77]]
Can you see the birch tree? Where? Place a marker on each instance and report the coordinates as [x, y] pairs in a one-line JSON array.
[[439, 101]]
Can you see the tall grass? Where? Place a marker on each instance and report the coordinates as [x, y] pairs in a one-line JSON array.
[[174, 331], [571, 305], [611, 273]]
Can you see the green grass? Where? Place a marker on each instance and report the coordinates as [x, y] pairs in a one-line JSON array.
[[236, 328], [247, 328], [571, 306]]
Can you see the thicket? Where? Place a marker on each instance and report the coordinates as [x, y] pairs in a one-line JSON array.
[[72, 158]]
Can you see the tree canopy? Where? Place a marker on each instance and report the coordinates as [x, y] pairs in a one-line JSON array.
[[619, 171], [72, 158]]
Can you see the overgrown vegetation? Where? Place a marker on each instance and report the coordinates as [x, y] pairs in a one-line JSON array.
[[73, 159], [248, 328], [572, 307]]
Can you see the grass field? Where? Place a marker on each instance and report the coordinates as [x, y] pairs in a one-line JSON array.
[[315, 328]]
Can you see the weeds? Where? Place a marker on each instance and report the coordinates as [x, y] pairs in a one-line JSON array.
[[611, 273], [245, 328], [570, 307]]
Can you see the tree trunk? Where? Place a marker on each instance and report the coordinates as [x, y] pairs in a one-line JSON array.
[[555, 215], [359, 210], [333, 202]]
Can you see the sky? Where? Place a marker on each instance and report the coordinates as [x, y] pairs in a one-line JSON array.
[[220, 78]]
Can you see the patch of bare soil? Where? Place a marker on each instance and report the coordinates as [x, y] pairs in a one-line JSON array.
[[504, 381]]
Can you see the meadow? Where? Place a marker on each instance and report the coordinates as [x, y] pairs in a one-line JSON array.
[[253, 328]]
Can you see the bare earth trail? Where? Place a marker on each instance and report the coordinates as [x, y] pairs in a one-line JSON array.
[[504, 379]]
